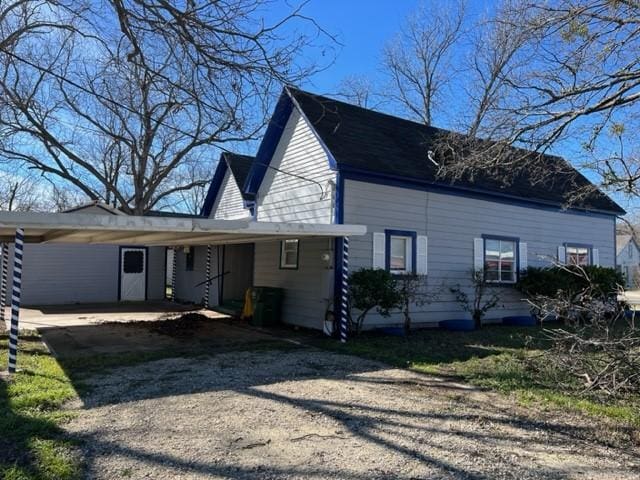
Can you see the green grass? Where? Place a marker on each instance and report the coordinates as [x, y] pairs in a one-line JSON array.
[[501, 358], [32, 444]]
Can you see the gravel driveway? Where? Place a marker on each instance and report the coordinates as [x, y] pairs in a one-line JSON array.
[[312, 414]]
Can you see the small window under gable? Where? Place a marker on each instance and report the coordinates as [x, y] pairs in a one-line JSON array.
[[289, 254]]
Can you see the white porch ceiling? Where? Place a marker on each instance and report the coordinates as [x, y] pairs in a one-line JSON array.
[[88, 228]]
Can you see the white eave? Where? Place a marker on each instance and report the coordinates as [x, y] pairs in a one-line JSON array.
[[161, 231]]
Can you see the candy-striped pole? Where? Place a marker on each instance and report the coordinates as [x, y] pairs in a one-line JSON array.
[[207, 276], [344, 293], [3, 281], [173, 274], [15, 299]]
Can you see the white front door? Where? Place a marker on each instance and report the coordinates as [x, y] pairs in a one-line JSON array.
[[133, 273]]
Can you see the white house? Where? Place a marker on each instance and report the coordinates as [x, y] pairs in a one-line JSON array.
[[628, 259], [324, 161]]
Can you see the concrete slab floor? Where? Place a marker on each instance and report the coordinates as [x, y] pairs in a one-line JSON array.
[[37, 317]]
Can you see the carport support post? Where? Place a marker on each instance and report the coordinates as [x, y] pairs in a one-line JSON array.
[[207, 275], [344, 290], [15, 299], [173, 274], [3, 282]]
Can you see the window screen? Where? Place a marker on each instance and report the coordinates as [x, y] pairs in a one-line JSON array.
[[133, 261]]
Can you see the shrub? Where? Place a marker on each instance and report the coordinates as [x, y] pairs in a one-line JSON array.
[[412, 291], [371, 289], [571, 280], [484, 297]]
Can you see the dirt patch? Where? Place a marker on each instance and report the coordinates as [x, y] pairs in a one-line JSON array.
[[318, 415], [185, 325]]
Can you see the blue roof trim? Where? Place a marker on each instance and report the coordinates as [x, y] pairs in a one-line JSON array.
[[403, 182], [269, 143], [214, 187]]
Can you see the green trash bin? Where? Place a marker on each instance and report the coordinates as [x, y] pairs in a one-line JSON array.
[[267, 306]]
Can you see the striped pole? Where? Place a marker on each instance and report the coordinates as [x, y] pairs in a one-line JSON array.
[[3, 281], [207, 277], [344, 304], [15, 299], [173, 275]]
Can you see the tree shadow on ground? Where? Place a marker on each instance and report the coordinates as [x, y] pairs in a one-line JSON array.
[[472, 440]]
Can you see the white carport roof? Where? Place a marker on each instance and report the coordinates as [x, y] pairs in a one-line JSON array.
[[161, 231]]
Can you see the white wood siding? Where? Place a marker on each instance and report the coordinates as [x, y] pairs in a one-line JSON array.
[[229, 205], [451, 223], [238, 262], [307, 289], [187, 281], [285, 198], [629, 262], [58, 274]]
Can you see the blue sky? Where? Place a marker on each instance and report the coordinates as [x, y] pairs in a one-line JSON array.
[[363, 27]]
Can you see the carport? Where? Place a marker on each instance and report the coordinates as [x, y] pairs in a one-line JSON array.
[[29, 227]]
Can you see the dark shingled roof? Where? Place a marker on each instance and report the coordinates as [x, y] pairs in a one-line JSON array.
[[240, 165], [369, 141]]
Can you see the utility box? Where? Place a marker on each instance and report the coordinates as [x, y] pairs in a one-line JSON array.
[[267, 306]]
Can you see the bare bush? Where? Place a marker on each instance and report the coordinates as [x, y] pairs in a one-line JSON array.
[[599, 346]]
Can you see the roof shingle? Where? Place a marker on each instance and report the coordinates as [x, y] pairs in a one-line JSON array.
[[370, 141]]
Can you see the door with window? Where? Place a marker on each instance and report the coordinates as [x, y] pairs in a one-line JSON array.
[[133, 274]]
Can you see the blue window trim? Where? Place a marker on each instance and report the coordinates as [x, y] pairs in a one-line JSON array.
[[486, 237], [387, 247], [588, 246], [297, 255]]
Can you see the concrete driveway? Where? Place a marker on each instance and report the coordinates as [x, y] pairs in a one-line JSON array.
[[54, 316], [310, 414]]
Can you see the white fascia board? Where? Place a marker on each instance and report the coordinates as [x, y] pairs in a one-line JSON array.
[[97, 228]]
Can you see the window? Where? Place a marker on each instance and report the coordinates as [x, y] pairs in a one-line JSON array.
[[400, 247], [578, 254], [133, 262], [500, 260], [190, 259], [630, 250], [289, 250]]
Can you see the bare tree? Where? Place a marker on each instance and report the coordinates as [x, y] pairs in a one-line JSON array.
[[419, 60], [361, 91], [123, 100], [493, 56], [192, 200], [583, 64]]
